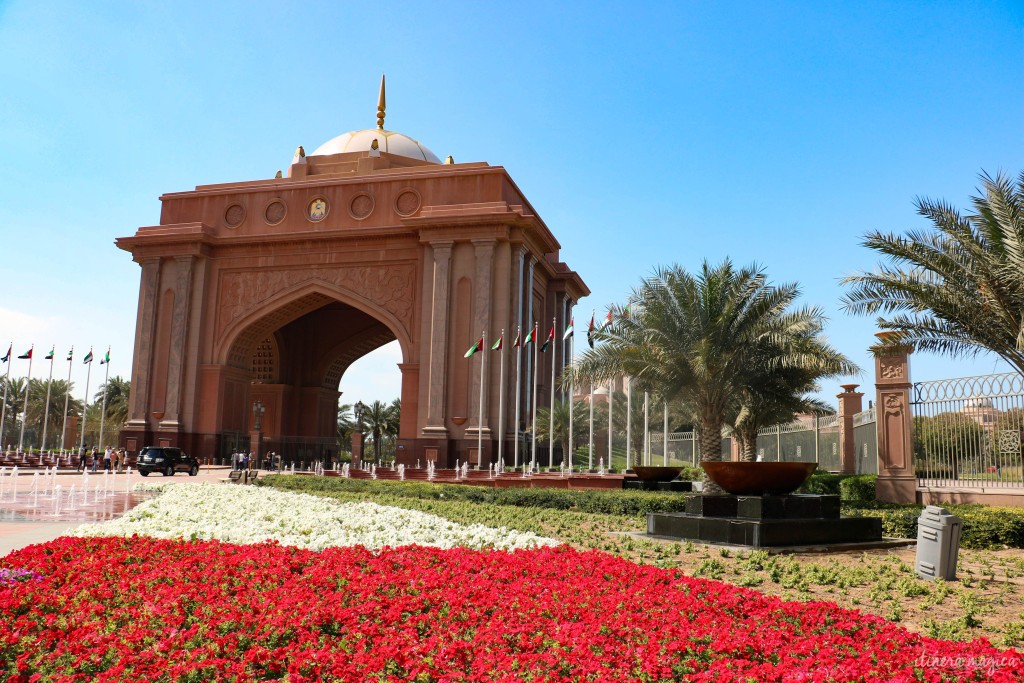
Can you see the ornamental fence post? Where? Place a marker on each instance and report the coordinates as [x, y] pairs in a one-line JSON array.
[[897, 482]]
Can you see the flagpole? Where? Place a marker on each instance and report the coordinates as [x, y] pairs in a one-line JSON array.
[[647, 434], [629, 419], [3, 412], [103, 410], [480, 412], [24, 409], [611, 395], [590, 442], [519, 382], [46, 410], [664, 429], [67, 396], [501, 402], [551, 409], [572, 390], [533, 446], [85, 404]]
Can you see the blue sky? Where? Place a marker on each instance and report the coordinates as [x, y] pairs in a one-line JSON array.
[[643, 133]]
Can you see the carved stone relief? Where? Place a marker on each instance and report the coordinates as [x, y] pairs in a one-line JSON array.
[[890, 370], [390, 287]]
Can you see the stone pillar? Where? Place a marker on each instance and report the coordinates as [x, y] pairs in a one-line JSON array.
[[438, 374], [142, 367], [896, 480], [256, 448], [179, 340], [484, 253], [850, 403], [357, 449]]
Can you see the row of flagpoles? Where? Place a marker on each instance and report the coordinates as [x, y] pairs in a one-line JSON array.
[[531, 338], [87, 360]]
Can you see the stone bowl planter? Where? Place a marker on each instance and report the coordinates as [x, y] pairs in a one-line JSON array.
[[759, 478], [657, 473]]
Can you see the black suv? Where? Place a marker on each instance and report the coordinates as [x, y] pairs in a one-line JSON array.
[[167, 460]]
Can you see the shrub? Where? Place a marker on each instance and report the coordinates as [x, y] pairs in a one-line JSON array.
[[822, 483], [858, 488], [983, 527], [601, 502]]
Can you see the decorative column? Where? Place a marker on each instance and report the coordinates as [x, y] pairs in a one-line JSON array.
[[438, 377], [148, 288], [179, 339], [896, 480], [850, 404], [528, 293], [484, 253]]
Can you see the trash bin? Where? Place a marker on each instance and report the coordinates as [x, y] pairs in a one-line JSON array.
[[938, 543]]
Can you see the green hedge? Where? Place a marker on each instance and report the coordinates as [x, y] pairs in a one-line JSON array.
[[602, 502], [849, 487], [984, 527]]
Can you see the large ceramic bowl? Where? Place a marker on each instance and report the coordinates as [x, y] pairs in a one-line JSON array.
[[657, 473], [759, 478]]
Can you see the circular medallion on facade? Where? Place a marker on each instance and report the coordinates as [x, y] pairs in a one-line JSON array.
[[317, 209], [234, 215], [275, 212], [408, 203], [361, 206]]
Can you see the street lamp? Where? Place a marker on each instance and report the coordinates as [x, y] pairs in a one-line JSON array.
[[258, 409], [360, 410]]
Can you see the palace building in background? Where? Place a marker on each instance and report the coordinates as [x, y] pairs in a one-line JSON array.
[[268, 290]]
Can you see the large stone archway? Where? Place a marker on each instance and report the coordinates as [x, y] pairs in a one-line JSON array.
[[269, 289]]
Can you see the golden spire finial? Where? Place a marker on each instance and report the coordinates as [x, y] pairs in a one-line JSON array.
[[381, 105], [300, 152]]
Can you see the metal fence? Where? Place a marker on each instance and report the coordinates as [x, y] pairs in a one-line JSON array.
[[865, 441], [968, 431], [813, 439], [683, 448]]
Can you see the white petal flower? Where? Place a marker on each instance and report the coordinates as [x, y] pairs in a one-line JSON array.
[[244, 514]]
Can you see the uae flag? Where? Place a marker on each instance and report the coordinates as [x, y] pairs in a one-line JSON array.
[[607, 320], [568, 331], [49, 356], [106, 358], [88, 358], [517, 343], [474, 348], [71, 353], [551, 338], [496, 346], [8, 356], [27, 355], [532, 337], [591, 330]]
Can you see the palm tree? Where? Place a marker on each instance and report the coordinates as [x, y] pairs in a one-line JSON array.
[[15, 390], [117, 391], [693, 340], [346, 427], [580, 427], [780, 378], [38, 409], [958, 288], [380, 420]]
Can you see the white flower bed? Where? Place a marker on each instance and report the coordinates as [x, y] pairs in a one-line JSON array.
[[245, 514]]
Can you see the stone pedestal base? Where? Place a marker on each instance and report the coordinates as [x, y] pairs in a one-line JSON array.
[[765, 521]]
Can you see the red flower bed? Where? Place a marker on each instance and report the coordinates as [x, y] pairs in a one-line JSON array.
[[142, 609]]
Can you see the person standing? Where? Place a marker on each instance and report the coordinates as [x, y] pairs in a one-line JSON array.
[[81, 459], [108, 456], [95, 458]]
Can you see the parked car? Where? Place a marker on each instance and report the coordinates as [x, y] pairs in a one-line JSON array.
[[167, 460]]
